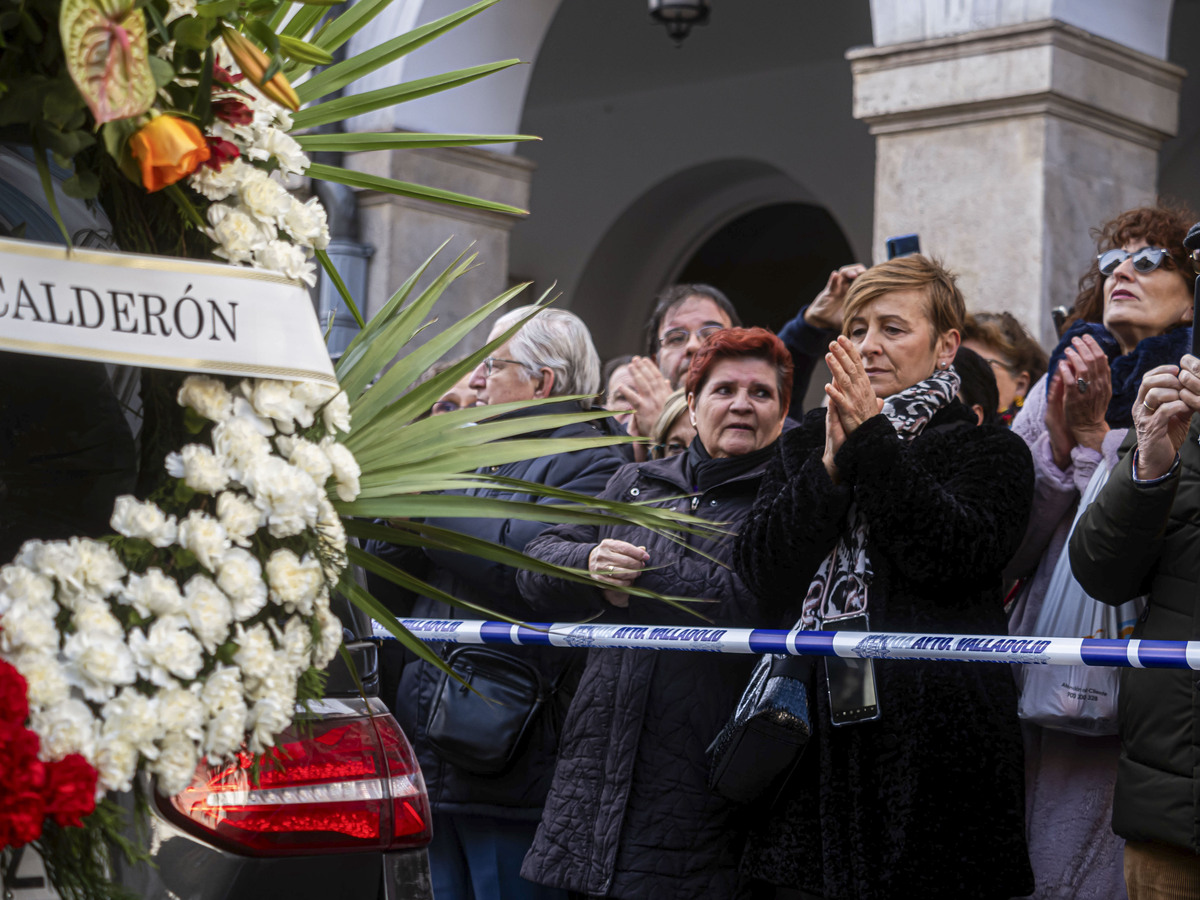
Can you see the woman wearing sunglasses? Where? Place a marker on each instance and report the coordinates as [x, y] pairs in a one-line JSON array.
[[1132, 314]]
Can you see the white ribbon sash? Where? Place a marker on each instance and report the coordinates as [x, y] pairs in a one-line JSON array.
[[158, 312]]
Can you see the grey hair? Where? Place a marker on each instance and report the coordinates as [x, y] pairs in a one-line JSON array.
[[559, 341]]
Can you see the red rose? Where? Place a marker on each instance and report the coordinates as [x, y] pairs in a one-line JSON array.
[[221, 151], [14, 703], [233, 111], [70, 790]]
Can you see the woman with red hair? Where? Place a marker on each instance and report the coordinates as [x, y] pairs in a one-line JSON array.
[[630, 813]]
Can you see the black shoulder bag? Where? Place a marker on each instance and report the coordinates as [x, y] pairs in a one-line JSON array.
[[483, 728]]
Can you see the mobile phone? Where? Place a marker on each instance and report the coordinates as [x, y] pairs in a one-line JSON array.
[[851, 682], [903, 245]]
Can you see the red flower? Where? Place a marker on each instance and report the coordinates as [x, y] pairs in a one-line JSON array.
[[220, 152], [223, 76], [233, 111], [70, 790], [22, 779], [14, 705]]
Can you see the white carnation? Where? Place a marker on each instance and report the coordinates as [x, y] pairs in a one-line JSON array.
[[240, 517], [271, 143], [337, 413], [268, 717], [181, 712], [256, 652], [237, 233], [205, 537], [29, 627], [65, 728], [116, 762], [152, 594], [97, 619], [46, 678], [331, 637], [312, 459], [217, 185], [295, 641], [104, 572], [273, 399], [209, 612], [285, 494], [83, 568], [176, 764], [242, 580], [345, 469], [240, 444], [98, 664], [200, 469], [263, 198], [133, 718], [207, 396], [314, 394], [144, 520], [222, 689], [306, 223], [21, 586], [225, 731], [287, 259], [294, 582], [167, 650]]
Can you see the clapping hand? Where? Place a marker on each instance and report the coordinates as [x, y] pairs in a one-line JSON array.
[[1166, 400], [852, 399]]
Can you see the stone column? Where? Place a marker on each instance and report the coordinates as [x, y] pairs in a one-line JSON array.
[[405, 231], [1003, 147]]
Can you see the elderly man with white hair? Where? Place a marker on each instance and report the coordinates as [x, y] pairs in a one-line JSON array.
[[488, 766]]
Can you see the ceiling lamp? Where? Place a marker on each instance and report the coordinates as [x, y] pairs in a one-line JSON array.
[[679, 16]]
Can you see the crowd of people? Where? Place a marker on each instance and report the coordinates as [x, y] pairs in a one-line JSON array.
[[941, 487]]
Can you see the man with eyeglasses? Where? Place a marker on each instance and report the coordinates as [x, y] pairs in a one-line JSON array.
[[686, 314]]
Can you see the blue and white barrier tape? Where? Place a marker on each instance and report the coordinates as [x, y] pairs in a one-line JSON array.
[[1057, 651]]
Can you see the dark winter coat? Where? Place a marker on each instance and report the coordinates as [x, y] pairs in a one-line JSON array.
[[928, 800], [1139, 539], [629, 813], [520, 791]]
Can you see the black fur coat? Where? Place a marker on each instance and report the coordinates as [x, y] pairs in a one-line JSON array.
[[927, 801]]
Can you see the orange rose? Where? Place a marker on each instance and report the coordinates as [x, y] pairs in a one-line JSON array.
[[167, 149]]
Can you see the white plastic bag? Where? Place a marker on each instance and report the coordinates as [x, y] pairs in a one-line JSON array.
[[1078, 699]]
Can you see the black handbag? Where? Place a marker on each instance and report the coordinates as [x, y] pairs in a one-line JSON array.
[[482, 728], [763, 740]]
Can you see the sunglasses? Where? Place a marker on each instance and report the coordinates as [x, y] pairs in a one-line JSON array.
[[1145, 260]]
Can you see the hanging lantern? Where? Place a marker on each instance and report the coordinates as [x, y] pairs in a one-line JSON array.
[[679, 16]]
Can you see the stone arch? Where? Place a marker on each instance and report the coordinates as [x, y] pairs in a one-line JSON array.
[[649, 244]]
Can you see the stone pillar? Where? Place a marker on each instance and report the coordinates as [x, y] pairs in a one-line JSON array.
[[405, 231], [1003, 147]]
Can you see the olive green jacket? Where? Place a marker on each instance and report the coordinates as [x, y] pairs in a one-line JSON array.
[[1145, 539]]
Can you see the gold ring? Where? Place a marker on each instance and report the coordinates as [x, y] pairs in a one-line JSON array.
[[1148, 406], [611, 569]]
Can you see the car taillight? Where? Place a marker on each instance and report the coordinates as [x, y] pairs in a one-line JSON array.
[[343, 784]]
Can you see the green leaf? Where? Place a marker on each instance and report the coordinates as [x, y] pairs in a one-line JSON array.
[[369, 101], [43, 167], [356, 142], [344, 73], [107, 56], [84, 184], [203, 105], [266, 37], [406, 189], [303, 51], [163, 71], [191, 33], [303, 21], [217, 9], [363, 599], [336, 277]]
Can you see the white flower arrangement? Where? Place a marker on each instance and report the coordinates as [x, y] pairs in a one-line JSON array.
[[196, 646], [253, 219]]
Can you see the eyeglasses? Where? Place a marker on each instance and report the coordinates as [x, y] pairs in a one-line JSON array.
[[997, 364], [667, 450], [678, 337], [489, 364], [1145, 260]]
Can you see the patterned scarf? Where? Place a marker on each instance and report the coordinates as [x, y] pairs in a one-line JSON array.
[[839, 589]]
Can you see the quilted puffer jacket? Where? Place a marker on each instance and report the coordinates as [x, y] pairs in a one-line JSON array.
[[630, 813], [1145, 539]]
